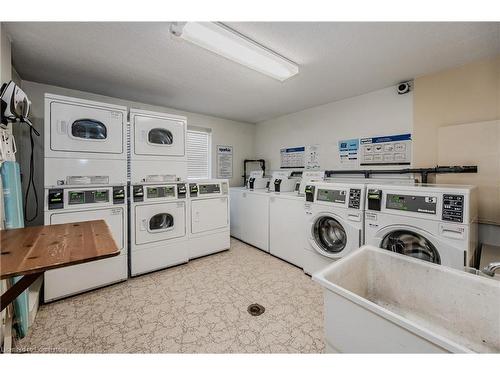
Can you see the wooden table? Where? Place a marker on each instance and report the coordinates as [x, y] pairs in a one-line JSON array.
[[29, 252]]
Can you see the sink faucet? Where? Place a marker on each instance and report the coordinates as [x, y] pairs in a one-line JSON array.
[[491, 268]]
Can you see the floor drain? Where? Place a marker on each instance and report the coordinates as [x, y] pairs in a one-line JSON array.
[[255, 309]]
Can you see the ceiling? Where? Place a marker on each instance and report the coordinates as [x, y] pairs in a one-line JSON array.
[[143, 62]]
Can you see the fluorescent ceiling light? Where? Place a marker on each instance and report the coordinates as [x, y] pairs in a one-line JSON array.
[[226, 42]]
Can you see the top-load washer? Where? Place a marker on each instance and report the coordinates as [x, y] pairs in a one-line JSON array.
[[85, 142], [286, 221], [208, 217], [157, 146], [333, 223], [158, 226], [435, 223], [250, 216]]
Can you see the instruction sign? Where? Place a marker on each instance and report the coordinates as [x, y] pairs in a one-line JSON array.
[[292, 157], [386, 150], [224, 161], [348, 151], [312, 157]]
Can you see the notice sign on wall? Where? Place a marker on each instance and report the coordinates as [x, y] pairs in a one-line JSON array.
[[348, 151], [311, 157], [292, 157], [386, 150], [224, 161]]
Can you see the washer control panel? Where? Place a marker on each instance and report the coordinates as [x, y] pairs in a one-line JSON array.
[[412, 203], [332, 196], [88, 196], [209, 189], [167, 191], [355, 198], [453, 208]]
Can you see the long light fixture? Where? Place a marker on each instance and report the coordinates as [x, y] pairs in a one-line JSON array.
[[220, 39]]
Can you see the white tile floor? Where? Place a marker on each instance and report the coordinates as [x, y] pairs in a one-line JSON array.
[[199, 307]]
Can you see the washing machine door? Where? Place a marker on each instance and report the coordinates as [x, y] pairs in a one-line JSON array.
[[331, 237], [410, 243], [156, 136], [87, 129], [159, 222]]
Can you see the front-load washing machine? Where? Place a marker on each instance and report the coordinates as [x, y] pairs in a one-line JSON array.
[[435, 223], [157, 146], [333, 223], [73, 204], [208, 217], [85, 142], [158, 226]]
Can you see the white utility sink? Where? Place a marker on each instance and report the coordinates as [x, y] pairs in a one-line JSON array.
[[378, 301]]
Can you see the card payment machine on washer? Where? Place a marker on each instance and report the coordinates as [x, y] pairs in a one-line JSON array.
[[285, 181]]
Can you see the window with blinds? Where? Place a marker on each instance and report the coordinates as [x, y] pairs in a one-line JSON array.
[[198, 153]]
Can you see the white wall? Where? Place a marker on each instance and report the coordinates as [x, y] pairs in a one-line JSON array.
[[5, 56], [381, 112], [224, 132]]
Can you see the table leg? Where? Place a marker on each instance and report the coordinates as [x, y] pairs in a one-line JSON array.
[[15, 290]]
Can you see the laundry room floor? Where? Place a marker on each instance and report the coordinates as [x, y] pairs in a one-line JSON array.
[[199, 307]]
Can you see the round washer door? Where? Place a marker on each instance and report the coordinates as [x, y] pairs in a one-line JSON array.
[[412, 244], [328, 235]]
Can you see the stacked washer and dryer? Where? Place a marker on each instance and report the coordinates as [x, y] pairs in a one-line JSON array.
[[85, 179], [159, 202], [91, 155]]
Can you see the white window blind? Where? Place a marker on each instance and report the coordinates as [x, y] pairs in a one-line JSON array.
[[198, 153]]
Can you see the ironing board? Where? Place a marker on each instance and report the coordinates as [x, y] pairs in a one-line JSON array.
[[29, 252]]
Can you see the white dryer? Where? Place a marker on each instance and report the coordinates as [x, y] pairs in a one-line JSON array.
[[435, 223], [157, 146], [333, 223], [158, 227], [208, 217], [73, 204], [85, 142]]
